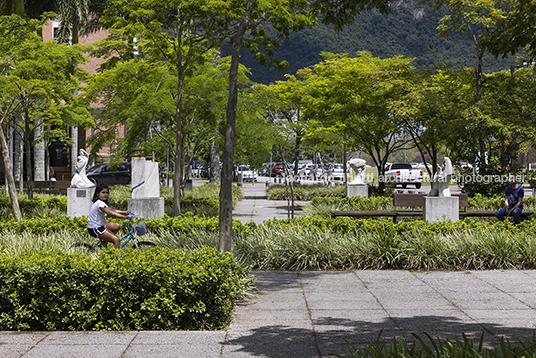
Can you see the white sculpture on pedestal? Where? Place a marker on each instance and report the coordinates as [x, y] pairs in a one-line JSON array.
[[441, 180], [359, 167], [79, 179]]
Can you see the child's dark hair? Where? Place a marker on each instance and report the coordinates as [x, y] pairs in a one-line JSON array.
[[98, 189]]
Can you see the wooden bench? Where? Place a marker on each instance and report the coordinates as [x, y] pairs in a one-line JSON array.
[[46, 187], [415, 201]]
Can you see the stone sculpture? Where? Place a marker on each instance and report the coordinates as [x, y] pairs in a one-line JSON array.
[[79, 179], [441, 180], [145, 179], [359, 167]]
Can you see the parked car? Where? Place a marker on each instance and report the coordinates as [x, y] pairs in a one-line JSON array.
[[337, 172], [100, 173], [247, 173], [277, 169], [264, 171], [403, 174], [311, 171]]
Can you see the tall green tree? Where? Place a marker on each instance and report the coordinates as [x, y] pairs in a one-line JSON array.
[[507, 101], [479, 18], [180, 33], [140, 94], [514, 30], [284, 16], [355, 97], [37, 82], [435, 111]]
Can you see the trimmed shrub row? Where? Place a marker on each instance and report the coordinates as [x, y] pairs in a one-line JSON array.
[[305, 192], [385, 202], [184, 223], [159, 289]]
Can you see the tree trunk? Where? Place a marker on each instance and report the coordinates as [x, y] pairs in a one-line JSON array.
[[39, 154], [178, 181], [226, 189], [9, 177], [18, 150], [215, 175], [28, 150]]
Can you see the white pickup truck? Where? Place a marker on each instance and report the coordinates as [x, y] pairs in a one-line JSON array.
[[403, 174]]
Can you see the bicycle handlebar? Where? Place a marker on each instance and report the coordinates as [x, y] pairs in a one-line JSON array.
[[132, 216]]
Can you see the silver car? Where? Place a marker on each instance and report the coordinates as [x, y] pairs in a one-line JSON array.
[[247, 173]]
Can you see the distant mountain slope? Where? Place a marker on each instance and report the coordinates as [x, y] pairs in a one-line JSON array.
[[407, 31]]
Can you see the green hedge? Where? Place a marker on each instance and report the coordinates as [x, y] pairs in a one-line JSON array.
[[304, 192], [183, 223], [28, 204], [160, 289], [355, 203], [478, 202]]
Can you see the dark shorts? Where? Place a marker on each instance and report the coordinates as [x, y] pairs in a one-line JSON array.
[[96, 231]]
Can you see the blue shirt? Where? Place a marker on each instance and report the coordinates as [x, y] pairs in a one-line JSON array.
[[514, 195]]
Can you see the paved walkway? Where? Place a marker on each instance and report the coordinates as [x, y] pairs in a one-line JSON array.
[[255, 207], [311, 314]]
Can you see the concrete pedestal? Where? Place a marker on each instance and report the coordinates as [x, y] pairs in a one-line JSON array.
[[441, 208], [189, 185], [356, 190], [79, 201], [148, 208]]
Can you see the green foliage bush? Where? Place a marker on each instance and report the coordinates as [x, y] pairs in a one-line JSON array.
[[160, 289], [37, 206], [184, 223], [323, 206], [316, 243], [419, 347], [304, 192]]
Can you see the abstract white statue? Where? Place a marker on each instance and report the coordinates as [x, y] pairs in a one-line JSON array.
[[145, 179], [441, 180], [359, 167], [79, 179]]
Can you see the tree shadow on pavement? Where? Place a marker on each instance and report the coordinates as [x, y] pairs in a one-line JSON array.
[[333, 335]]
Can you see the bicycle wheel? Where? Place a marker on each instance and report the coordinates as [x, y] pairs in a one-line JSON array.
[[81, 247], [144, 245]]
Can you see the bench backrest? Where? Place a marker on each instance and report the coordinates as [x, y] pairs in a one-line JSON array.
[[415, 200]]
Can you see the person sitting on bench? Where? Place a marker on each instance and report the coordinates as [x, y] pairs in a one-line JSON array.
[[513, 203]]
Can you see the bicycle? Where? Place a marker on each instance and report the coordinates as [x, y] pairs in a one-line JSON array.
[[138, 228]]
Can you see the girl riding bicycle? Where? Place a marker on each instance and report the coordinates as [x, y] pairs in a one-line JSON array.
[[96, 223]]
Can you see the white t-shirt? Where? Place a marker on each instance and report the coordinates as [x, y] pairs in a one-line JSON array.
[[97, 218]]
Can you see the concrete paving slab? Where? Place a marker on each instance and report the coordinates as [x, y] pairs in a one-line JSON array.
[[79, 351], [325, 301], [277, 341], [528, 299], [455, 282], [270, 315], [176, 344], [177, 337], [488, 301], [508, 281], [171, 351], [89, 338], [441, 320], [14, 350], [365, 319], [31, 338]]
